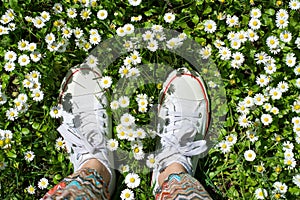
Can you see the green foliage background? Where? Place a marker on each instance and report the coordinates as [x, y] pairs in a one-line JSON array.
[[226, 176]]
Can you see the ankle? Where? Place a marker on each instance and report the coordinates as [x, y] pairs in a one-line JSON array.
[[173, 168], [99, 167]]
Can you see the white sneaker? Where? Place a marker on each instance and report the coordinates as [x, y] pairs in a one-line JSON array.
[[183, 122], [86, 125]]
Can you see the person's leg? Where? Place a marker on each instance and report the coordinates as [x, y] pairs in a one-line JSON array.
[[176, 183], [183, 123], [89, 182], [85, 128]]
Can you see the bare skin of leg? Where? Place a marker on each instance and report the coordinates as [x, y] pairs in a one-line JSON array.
[[99, 167], [171, 169]]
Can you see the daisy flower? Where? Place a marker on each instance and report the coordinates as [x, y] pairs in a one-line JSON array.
[[242, 36], [112, 144], [129, 28], [23, 60], [259, 99], [50, 38], [250, 155], [238, 57], [32, 47], [262, 80], [148, 35], [270, 68], [283, 86], [298, 83], [252, 35], [95, 39], [45, 15], [290, 162], [134, 2], [275, 93], [124, 71], [59, 143], [138, 152], [235, 44], [251, 136], [272, 42], [281, 23], [85, 14], [290, 60], [254, 24], [132, 180], [152, 45], [297, 42], [274, 110], [287, 145], [210, 26], [151, 162], [23, 45], [225, 53], [105, 82], [57, 8], [261, 193], [9, 66], [77, 32], [285, 36], [218, 44], [10, 56], [23, 97], [12, 114], [2, 165], [127, 119], [127, 194], [92, 61], [288, 154], [261, 58], [30, 189], [231, 35], [157, 28], [135, 57], [124, 101], [282, 13], [114, 105], [206, 52], [266, 119], [94, 32], [123, 168], [173, 43], [294, 4], [66, 32], [136, 18], [249, 102], [296, 180], [255, 13], [56, 111], [241, 108], [3, 98], [37, 95], [232, 20], [169, 17], [260, 168], [29, 156], [244, 121], [231, 139], [140, 133], [38, 22], [102, 14], [296, 106], [71, 12], [121, 31], [43, 183]]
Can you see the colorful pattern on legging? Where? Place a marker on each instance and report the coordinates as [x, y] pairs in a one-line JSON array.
[[85, 184], [182, 186]]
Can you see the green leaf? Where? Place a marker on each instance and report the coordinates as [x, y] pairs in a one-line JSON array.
[[14, 5], [207, 10], [270, 11], [35, 125], [195, 19], [25, 131]]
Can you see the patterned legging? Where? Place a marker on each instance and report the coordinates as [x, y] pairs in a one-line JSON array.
[[88, 184]]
